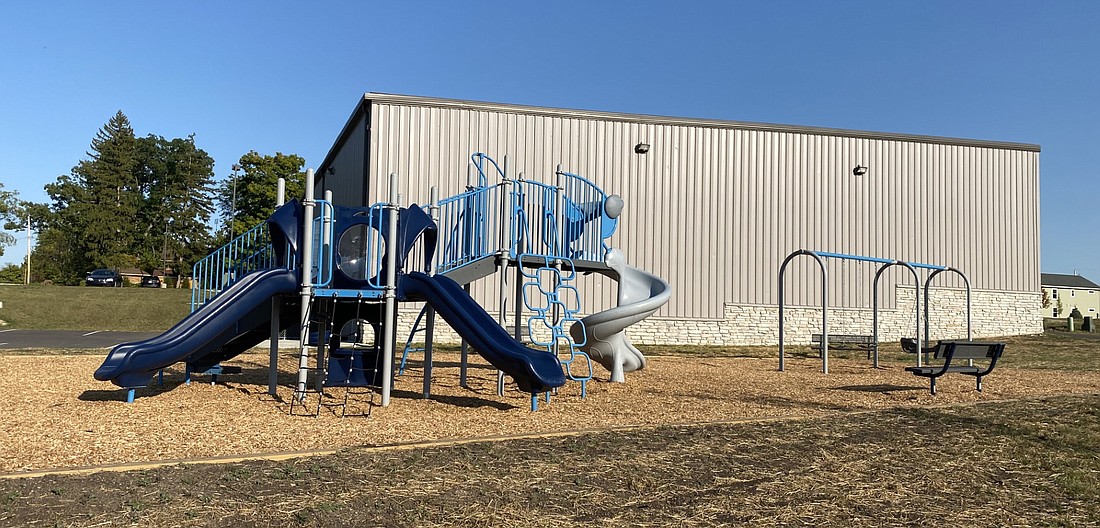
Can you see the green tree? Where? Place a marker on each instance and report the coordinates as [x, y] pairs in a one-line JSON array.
[[176, 179], [102, 196], [12, 274], [18, 213], [7, 212], [59, 254], [91, 218], [248, 197]]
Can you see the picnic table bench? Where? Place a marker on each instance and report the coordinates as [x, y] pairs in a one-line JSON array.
[[846, 342], [959, 356]]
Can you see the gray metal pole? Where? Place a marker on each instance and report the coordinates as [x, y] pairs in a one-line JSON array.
[[429, 329], [28, 281], [390, 294], [824, 307], [324, 258], [874, 310], [307, 282], [969, 327], [916, 304], [927, 321], [273, 359], [273, 371], [824, 314], [559, 203]]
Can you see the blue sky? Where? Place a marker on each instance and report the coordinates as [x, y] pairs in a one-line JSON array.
[[285, 76]]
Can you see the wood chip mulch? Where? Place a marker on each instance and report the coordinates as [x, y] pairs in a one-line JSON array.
[[55, 415]]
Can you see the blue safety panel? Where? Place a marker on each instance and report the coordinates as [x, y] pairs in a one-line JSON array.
[[327, 293]]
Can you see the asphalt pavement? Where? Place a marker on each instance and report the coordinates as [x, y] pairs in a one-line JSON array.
[[68, 338]]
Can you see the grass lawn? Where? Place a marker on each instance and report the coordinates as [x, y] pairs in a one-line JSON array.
[[39, 307]]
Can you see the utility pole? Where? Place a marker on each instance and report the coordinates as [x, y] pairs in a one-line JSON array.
[[27, 281], [233, 215]]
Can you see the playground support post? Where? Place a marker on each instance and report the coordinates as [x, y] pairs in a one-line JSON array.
[[824, 308], [916, 305], [325, 252], [429, 329], [927, 313], [504, 249], [307, 282], [273, 356], [885, 263], [390, 295]]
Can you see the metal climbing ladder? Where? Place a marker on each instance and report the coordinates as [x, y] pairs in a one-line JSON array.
[[419, 326]]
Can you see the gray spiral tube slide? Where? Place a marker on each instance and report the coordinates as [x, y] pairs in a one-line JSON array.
[[640, 294]]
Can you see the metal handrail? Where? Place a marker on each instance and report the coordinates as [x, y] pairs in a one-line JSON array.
[[217, 271], [478, 159], [323, 235], [582, 229], [468, 223]]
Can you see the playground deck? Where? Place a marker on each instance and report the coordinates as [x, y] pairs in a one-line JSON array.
[[65, 419]]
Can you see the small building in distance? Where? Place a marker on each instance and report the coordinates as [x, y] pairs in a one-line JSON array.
[[1062, 293]]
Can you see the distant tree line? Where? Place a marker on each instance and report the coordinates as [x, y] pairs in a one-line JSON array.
[[142, 202]]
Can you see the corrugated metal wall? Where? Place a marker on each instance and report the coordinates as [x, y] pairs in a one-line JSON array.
[[349, 177], [715, 209]]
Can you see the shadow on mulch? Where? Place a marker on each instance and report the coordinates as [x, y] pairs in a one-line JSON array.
[[882, 387], [103, 395], [470, 402], [117, 394], [788, 403]]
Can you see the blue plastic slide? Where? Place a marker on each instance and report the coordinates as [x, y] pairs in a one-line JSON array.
[[534, 370], [242, 310]]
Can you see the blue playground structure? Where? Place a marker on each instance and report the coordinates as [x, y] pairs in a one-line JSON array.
[[334, 275]]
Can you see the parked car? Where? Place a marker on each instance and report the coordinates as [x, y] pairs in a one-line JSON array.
[[150, 281], [103, 277]]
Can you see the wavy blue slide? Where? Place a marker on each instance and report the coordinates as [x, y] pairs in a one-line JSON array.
[[534, 370], [235, 313]]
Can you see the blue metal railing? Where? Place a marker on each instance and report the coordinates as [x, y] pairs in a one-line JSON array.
[[566, 220], [480, 159], [469, 227], [534, 219], [321, 270], [358, 252], [217, 271], [583, 224]]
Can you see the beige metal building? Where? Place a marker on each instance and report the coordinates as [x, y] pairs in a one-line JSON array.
[[715, 206]]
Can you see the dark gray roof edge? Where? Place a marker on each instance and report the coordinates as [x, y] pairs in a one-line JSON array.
[[1067, 281], [416, 100]]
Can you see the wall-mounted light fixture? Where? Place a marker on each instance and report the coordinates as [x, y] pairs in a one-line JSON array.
[[641, 148], [859, 170]]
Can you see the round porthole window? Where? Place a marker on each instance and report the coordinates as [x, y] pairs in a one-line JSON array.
[[358, 252]]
